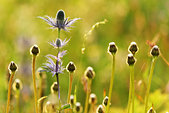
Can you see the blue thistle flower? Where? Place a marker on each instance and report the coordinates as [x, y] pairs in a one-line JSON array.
[[59, 21], [59, 43]]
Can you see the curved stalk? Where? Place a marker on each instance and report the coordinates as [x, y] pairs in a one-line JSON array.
[[34, 82], [149, 83], [111, 84], [9, 92], [87, 95]]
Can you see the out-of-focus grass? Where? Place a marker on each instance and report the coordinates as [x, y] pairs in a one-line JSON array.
[[128, 20]]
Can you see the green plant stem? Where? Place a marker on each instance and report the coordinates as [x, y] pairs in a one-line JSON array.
[[111, 84], [9, 92], [149, 83], [70, 86], [129, 100], [34, 82], [132, 83], [87, 95]]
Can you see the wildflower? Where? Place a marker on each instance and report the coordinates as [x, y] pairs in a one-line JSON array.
[[112, 49], [130, 59], [100, 109], [59, 43], [105, 101], [59, 22], [71, 67], [89, 73], [12, 66], [155, 51], [133, 48], [17, 85], [34, 50]]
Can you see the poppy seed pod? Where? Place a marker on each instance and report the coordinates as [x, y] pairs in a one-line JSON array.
[[54, 87], [71, 67], [130, 59], [34, 50], [112, 49], [17, 85], [133, 48], [60, 15], [12, 66], [105, 101], [151, 110], [155, 51], [89, 73], [72, 99], [93, 99], [100, 109]]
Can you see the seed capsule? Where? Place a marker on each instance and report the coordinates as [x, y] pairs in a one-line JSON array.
[[89, 73], [112, 49], [155, 51], [93, 98], [130, 59], [12, 66], [78, 107], [100, 109], [34, 50], [17, 85], [133, 48], [54, 87], [72, 99], [71, 67], [151, 110], [105, 101]]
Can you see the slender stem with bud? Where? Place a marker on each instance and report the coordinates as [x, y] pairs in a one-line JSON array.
[[149, 83], [9, 92], [70, 86], [111, 84], [87, 95], [34, 82], [132, 88]]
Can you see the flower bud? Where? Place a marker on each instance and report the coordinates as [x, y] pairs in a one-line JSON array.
[[71, 67], [58, 42], [93, 99], [78, 107], [89, 73], [54, 87], [17, 85], [100, 109], [105, 101], [60, 15], [151, 110], [12, 66], [155, 51], [72, 99], [133, 48], [50, 107], [112, 49], [130, 59], [34, 50], [40, 73]]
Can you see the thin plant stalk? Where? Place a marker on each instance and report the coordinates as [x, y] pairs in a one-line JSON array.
[[70, 86], [132, 88], [111, 84], [40, 94], [9, 92], [130, 100], [149, 83], [17, 101], [87, 95], [34, 82]]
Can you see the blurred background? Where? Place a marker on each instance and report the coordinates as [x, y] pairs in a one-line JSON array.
[[142, 21]]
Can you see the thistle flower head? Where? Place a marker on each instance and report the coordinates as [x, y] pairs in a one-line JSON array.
[[34, 50], [59, 22], [17, 85], [155, 52], [78, 107], [92, 99], [151, 110], [112, 49], [71, 67], [100, 109], [130, 59], [12, 67], [105, 101], [59, 43], [133, 48], [54, 87], [72, 99], [89, 73]]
